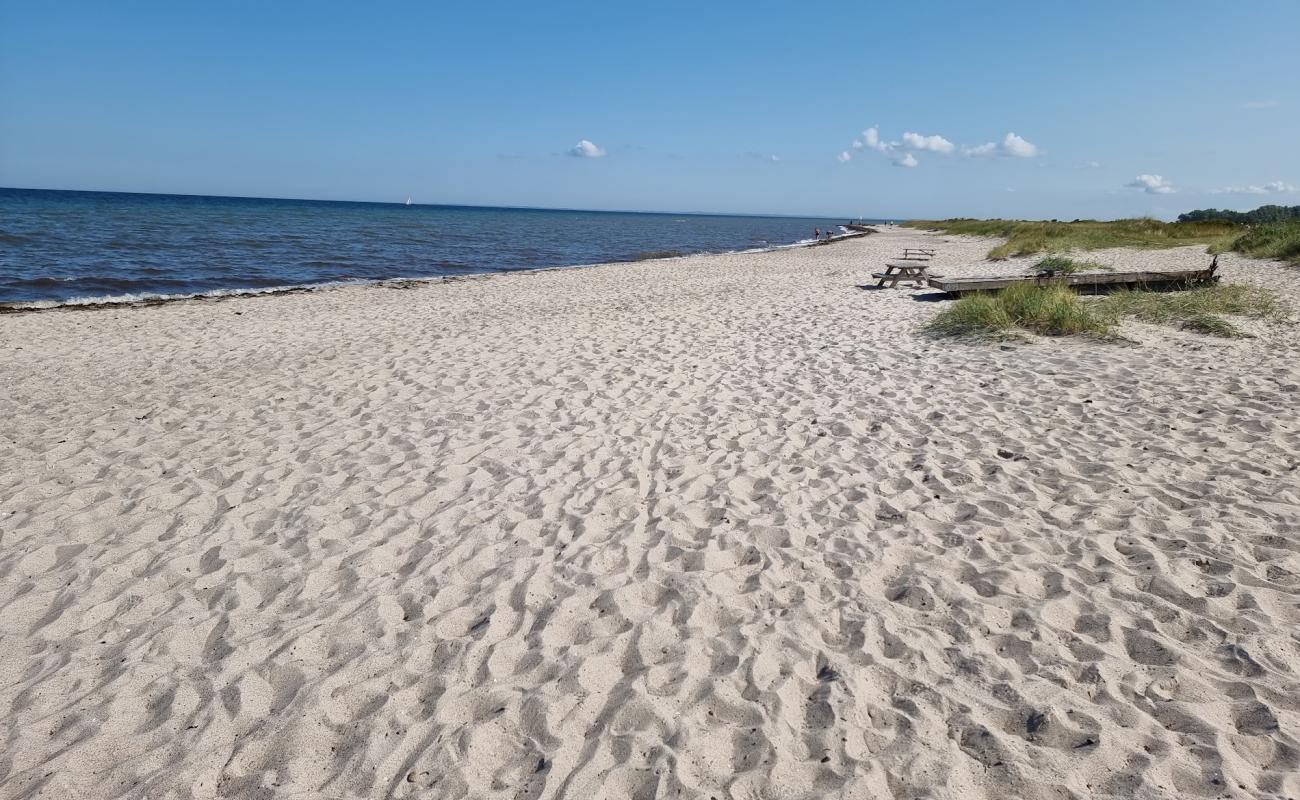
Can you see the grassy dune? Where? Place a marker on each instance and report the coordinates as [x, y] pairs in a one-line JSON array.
[[1027, 237], [1279, 240]]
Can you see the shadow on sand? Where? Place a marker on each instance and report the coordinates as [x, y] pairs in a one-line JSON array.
[[926, 297]]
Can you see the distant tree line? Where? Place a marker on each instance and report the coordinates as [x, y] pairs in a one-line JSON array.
[[1261, 215]]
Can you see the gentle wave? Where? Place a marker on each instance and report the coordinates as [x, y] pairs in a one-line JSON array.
[[154, 298], [654, 255]]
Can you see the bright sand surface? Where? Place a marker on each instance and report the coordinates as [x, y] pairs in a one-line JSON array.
[[719, 526]]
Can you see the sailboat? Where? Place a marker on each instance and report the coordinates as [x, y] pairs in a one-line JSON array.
[[408, 200]]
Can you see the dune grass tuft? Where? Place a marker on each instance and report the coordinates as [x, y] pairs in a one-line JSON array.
[[1196, 309], [1212, 326], [972, 315], [1064, 265], [1045, 310], [1050, 310]]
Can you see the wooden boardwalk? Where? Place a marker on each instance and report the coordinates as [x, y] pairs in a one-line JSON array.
[[1084, 282]]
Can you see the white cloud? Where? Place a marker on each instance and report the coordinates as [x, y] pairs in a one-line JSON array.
[[585, 149], [1273, 187], [1151, 184], [1012, 146], [980, 151], [895, 151], [774, 158], [901, 153], [1092, 164], [1016, 147], [1255, 105], [937, 143], [844, 156]]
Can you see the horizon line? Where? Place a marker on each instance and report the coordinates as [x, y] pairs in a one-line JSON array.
[[460, 205]]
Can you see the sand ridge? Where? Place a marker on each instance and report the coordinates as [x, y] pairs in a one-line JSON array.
[[718, 526]]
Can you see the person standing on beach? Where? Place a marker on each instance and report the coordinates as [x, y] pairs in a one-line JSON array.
[[817, 233]]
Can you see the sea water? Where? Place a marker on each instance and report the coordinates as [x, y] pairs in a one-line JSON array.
[[63, 247]]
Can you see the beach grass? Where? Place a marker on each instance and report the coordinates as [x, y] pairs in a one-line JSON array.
[[1029, 237], [1064, 265], [1045, 310], [973, 315], [1273, 240], [1279, 240], [1211, 325], [1057, 311], [1197, 310]]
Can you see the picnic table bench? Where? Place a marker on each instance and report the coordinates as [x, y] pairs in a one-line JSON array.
[[912, 270]]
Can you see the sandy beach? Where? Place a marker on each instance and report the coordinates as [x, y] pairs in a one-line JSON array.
[[708, 527]]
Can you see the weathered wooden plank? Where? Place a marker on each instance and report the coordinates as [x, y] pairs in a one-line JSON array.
[[1080, 280]]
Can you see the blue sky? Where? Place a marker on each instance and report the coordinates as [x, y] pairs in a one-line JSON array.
[[1118, 108]]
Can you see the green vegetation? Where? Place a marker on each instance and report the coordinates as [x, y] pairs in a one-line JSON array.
[[1196, 310], [1058, 311], [1026, 238], [1266, 232], [1045, 310], [1264, 215], [972, 315], [1280, 240], [1063, 265], [1211, 326], [1271, 232]]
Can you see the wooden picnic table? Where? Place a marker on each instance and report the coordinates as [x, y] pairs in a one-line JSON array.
[[912, 270]]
